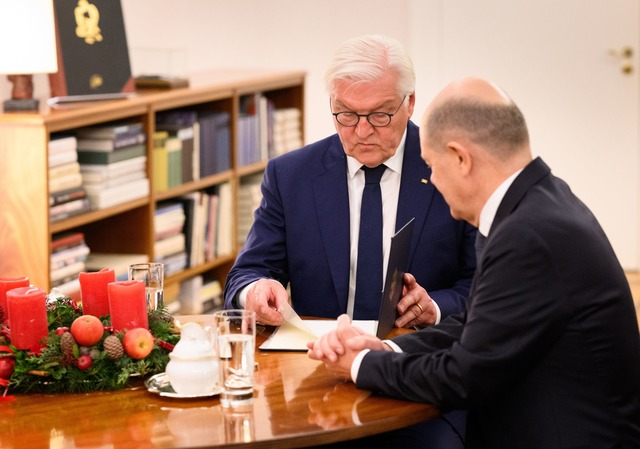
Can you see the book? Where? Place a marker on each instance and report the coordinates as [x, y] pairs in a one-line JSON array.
[[62, 158], [168, 246], [92, 157], [119, 262], [64, 169], [66, 195], [65, 182], [111, 144], [173, 146], [103, 172], [168, 219], [119, 194], [93, 56], [62, 143], [160, 161], [65, 240], [184, 132], [114, 181], [69, 256], [112, 131], [224, 228], [69, 209], [160, 82], [65, 272]]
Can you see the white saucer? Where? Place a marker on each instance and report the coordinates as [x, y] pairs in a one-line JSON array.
[[159, 384]]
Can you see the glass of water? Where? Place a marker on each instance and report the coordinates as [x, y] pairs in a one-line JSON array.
[[153, 276], [236, 338]]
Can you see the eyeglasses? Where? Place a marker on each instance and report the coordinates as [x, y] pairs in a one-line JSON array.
[[377, 119]]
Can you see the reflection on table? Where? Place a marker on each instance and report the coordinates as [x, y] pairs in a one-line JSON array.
[[297, 404]]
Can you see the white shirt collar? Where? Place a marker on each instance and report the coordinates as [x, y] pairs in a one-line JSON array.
[[490, 208], [394, 162]]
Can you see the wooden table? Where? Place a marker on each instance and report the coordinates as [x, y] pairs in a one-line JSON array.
[[297, 404]]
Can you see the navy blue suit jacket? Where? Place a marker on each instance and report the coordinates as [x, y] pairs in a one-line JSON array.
[[300, 235], [548, 353]]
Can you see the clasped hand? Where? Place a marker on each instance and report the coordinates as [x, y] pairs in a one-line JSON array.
[[337, 349]]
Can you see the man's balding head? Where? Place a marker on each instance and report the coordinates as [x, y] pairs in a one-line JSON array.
[[476, 110]]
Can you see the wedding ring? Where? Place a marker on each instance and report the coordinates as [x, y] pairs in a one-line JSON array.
[[420, 307]]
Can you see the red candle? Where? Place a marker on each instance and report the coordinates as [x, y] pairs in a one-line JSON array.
[[94, 292], [128, 305], [28, 311], [7, 284]]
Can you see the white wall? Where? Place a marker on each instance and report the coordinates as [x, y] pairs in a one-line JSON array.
[[288, 34]]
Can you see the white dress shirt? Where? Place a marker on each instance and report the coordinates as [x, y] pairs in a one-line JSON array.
[[487, 214]]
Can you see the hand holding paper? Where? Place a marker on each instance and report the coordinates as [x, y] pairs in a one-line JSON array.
[[295, 332]]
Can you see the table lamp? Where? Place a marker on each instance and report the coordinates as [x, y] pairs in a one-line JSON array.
[[27, 46]]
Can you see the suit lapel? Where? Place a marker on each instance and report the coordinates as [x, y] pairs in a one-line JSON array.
[[332, 206], [532, 173], [416, 191]]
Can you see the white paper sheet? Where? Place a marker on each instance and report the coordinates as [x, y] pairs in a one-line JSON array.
[[292, 337]]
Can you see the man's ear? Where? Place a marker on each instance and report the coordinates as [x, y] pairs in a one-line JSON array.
[[460, 152]]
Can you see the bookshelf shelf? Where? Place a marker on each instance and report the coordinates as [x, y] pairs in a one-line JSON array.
[[26, 233]]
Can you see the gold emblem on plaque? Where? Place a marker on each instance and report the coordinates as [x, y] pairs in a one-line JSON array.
[[96, 81], [87, 18]]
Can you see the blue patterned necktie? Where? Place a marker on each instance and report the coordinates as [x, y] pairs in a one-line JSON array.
[[369, 270]]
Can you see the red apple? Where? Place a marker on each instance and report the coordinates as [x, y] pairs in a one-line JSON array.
[[87, 330], [6, 367], [137, 343], [85, 362]]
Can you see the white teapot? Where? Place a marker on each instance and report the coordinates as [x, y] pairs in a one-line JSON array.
[[193, 366]]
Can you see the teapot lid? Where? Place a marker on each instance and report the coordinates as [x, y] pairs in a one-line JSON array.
[[195, 341]]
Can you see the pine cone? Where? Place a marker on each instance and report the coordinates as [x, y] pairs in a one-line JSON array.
[[113, 347], [66, 344]]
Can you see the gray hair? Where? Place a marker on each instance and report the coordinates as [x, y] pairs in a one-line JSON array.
[[498, 127], [367, 58]]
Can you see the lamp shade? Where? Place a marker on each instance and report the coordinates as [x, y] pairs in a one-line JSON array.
[[27, 34]]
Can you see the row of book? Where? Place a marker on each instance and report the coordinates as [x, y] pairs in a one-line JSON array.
[[249, 197], [264, 131], [190, 145], [70, 256], [95, 168], [194, 228]]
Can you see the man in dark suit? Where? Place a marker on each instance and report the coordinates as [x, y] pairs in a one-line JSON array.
[[305, 233], [547, 354]]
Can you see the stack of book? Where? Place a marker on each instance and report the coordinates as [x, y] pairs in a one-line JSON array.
[[118, 262], [169, 245], [287, 131], [249, 196], [113, 163], [67, 196], [198, 296], [69, 253]]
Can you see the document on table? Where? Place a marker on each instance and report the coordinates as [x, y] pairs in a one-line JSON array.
[[294, 333]]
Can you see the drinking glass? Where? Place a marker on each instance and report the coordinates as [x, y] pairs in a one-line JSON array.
[[236, 338], [153, 276]]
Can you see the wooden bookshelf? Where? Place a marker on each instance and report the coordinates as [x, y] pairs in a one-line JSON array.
[[25, 230]]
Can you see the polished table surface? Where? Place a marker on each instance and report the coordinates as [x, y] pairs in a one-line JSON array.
[[298, 403]]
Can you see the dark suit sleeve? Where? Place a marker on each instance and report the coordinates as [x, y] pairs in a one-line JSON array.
[[264, 251], [453, 300], [514, 316]]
